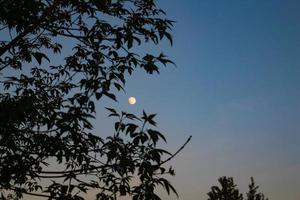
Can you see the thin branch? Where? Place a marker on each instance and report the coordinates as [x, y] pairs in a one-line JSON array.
[[4, 27], [53, 176], [71, 35], [180, 149], [89, 170], [76, 170]]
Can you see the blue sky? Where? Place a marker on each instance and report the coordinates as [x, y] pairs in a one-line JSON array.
[[236, 89]]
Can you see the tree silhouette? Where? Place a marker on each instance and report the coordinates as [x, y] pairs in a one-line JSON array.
[[57, 57], [253, 194], [229, 191]]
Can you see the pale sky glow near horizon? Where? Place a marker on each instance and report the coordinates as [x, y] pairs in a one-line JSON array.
[[235, 89]]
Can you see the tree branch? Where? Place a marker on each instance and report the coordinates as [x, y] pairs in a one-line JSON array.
[[180, 149]]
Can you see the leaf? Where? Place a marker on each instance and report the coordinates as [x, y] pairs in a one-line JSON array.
[[118, 86], [169, 36], [149, 118], [157, 134], [117, 126], [98, 95], [131, 128], [111, 110], [167, 186], [153, 135], [39, 56], [110, 95]]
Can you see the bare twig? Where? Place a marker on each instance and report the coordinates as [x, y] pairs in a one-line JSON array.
[[180, 149]]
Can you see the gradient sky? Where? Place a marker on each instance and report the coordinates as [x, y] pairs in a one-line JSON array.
[[236, 90]]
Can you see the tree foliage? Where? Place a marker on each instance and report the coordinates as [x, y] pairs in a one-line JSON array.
[[48, 96], [229, 191]]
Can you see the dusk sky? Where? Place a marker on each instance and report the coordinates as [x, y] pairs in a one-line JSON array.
[[235, 89]]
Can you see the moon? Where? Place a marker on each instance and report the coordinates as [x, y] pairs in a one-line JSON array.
[[132, 100]]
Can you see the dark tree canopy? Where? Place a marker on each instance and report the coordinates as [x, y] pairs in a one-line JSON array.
[[46, 104], [229, 191]]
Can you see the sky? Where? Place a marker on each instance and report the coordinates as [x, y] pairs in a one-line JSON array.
[[235, 89]]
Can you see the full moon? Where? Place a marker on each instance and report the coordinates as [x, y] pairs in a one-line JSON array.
[[132, 100]]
